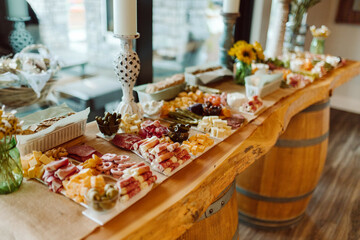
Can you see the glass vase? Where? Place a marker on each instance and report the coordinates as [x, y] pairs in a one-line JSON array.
[[11, 173], [317, 45], [241, 70], [295, 32]]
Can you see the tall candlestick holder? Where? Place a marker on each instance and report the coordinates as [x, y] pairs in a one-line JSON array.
[[127, 69], [19, 37], [227, 39]]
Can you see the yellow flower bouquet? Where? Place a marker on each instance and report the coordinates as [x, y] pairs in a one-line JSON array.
[[244, 54]]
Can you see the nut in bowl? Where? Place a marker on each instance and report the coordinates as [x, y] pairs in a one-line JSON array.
[[102, 202]]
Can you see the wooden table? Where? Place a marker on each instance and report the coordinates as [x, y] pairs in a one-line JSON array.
[[176, 204]]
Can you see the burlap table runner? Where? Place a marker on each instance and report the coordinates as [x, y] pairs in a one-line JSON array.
[[33, 212]]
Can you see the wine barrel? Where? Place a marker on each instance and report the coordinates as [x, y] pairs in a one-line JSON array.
[[276, 189], [220, 220]]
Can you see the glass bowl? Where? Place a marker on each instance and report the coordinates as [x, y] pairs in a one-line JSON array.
[[102, 205], [108, 130]]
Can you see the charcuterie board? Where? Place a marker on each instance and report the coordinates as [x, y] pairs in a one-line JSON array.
[[152, 149]]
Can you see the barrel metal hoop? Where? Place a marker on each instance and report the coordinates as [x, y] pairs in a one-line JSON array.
[[250, 221], [272, 199], [317, 107], [294, 143], [220, 203]]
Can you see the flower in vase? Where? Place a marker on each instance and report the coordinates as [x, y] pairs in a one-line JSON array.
[[259, 51], [322, 32], [244, 54]]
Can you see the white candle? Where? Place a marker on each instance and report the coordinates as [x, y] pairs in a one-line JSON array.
[[17, 8], [231, 6], [125, 17]]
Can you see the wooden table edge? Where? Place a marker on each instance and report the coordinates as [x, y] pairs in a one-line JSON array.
[[178, 213]]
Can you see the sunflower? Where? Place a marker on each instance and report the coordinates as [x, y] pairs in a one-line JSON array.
[[235, 48], [259, 51], [245, 54]]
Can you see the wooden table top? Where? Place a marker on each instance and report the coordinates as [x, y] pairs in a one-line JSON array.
[[176, 204]]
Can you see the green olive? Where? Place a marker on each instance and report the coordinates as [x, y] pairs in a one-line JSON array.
[[93, 195], [108, 186], [111, 193]]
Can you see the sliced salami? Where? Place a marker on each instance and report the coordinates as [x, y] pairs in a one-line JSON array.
[[84, 158], [125, 140], [81, 150], [235, 121]]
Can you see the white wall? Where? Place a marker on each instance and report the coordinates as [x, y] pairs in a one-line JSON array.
[[344, 41], [260, 21]]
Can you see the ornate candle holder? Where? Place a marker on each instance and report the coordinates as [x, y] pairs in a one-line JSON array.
[[227, 39], [19, 37], [127, 69]]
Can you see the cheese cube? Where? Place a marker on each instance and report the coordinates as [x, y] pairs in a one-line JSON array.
[[219, 123], [137, 122], [201, 148], [214, 131], [27, 157], [134, 129], [32, 172], [33, 162], [37, 155], [86, 182], [40, 171], [25, 164], [44, 159]]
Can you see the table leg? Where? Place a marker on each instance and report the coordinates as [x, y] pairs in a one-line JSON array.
[[275, 191]]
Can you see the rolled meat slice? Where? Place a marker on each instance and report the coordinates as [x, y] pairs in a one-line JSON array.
[[143, 177], [66, 171], [172, 147], [130, 194], [161, 147], [150, 143], [125, 182], [182, 154], [56, 185], [130, 187], [164, 156], [54, 165], [186, 157], [151, 180], [137, 144]]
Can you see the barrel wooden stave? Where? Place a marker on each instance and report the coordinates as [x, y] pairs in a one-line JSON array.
[[222, 225], [276, 189]]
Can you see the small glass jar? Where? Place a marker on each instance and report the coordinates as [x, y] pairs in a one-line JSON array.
[[317, 45], [108, 130], [11, 173], [241, 70]]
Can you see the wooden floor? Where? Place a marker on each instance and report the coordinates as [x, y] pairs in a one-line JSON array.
[[334, 210]]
